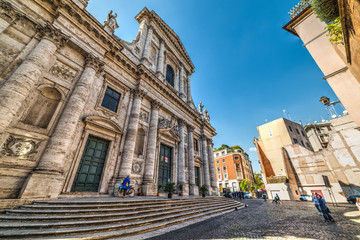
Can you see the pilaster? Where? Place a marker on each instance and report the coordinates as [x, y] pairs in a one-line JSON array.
[[205, 162], [160, 65], [191, 166], [181, 159]]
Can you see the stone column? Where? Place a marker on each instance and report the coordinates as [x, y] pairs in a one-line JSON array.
[[129, 145], [191, 165], [53, 160], [16, 89], [160, 65], [181, 81], [181, 159], [211, 164], [176, 79], [205, 163], [148, 180], [146, 53], [189, 98]]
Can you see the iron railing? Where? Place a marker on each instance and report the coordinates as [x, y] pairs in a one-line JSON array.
[[299, 8]]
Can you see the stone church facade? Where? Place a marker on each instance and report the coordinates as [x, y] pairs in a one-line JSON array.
[[80, 108]]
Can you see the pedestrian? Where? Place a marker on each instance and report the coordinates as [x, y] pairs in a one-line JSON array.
[[277, 199], [316, 202], [324, 209], [126, 185], [230, 195]]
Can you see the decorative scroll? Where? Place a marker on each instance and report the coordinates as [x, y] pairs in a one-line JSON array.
[[136, 167], [63, 71]]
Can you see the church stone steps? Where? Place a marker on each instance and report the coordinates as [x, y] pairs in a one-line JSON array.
[[94, 211], [119, 229], [104, 206], [70, 222]]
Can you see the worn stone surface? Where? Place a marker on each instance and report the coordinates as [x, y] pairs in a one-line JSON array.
[[264, 220]]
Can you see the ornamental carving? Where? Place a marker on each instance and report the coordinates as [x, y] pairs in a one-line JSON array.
[[8, 13], [52, 34], [165, 123], [136, 167], [155, 104], [144, 116], [94, 62], [139, 93], [19, 147], [63, 71]]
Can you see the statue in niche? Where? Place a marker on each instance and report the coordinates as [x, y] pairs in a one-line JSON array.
[[201, 106], [111, 21], [206, 115]]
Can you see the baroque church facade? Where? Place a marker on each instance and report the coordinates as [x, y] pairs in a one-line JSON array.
[[81, 109]]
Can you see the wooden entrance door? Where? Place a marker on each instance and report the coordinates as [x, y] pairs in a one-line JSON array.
[[164, 165], [197, 176], [91, 165]]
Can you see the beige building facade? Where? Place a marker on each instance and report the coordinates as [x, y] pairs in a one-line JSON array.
[[334, 155], [81, 109], [331, 58]]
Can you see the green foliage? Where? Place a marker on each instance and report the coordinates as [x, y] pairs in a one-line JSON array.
[[245, 187], [222, 147], [326, 10], [258, 181], [237, 147], [335, 32], [203, 189], [170, 187], [231, 149]]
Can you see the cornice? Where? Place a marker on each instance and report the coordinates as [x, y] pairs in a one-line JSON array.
[[173, 37], [289, 26]]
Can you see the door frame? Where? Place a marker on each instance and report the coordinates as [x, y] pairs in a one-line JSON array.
[[94, 126]]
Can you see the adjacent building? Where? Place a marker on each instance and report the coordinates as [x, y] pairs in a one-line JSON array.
[[81, 109], [340, 67], [330, 167], [232, 166]]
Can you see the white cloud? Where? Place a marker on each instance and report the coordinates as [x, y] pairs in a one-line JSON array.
[[252, 149]]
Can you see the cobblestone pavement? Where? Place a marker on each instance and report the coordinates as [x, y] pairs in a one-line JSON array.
[[264, 220]]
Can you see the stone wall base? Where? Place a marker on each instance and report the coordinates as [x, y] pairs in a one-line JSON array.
[[41, 184], [149, 189]]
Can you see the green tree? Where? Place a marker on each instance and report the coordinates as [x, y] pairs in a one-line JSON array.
[[244, 186], [236, 147], [222, 147], [326, 10], [258, 181]]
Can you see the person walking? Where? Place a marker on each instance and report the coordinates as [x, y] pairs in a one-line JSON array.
[[126, 185], [316, 202], [324, 209]]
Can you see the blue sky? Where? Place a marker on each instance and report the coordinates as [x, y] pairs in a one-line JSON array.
[[247, 68]]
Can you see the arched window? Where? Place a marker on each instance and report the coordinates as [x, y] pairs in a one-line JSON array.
[[44, 107], [170, 75]]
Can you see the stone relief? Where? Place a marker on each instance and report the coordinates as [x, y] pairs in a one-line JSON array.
[[19, 147], [165, 123], [63, 71], [144, 116], [137, 167]]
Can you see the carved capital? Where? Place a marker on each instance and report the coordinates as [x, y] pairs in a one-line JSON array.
[[181, 121], [94, 62], [190, 128], [138, 93], [155, 104], [51, 33]]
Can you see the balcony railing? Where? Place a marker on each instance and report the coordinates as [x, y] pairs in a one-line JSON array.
[[299, 8], [277, 179]]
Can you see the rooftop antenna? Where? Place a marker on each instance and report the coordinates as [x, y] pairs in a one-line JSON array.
[[289, 117], [284, 112], [330, 106]]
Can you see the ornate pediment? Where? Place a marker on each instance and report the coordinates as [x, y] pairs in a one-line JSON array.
[[103, 123], [169, 133]]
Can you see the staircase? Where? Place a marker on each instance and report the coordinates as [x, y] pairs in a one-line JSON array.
[[106, 218]]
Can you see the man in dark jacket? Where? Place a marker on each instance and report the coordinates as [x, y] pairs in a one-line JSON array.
[[324, 209]]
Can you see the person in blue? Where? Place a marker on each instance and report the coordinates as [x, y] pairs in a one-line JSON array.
[[126, 185], [316, 202], [324, 209]]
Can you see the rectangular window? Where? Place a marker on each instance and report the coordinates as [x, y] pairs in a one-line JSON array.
[[223, 153], [219, 176], [308, 145], [297, 131], [302, 143], [295, 140], [111, 99], [226, 176], [303, 133], [224, 168], [328, 128], [196, 145], [318, 130], [322, 139], [217, 154], [223, 160], [217, 161], [290, 129], [236, 158], [218, 169]]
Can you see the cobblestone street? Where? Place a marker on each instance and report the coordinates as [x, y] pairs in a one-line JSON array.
[[264, 220]]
